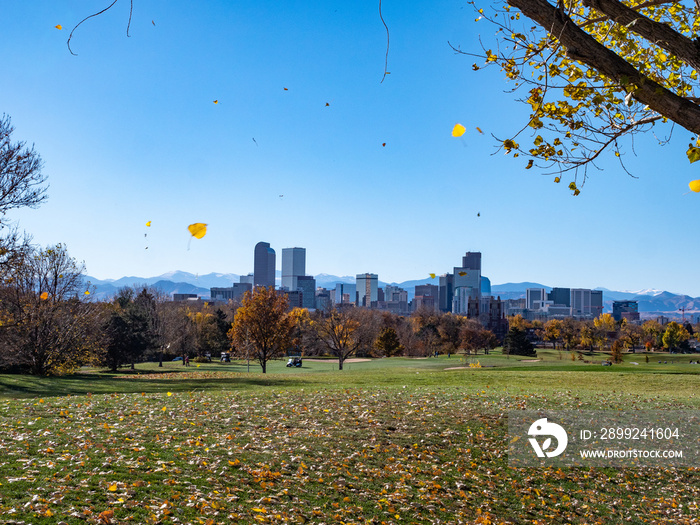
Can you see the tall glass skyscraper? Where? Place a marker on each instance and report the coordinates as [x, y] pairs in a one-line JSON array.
[[264, 265]]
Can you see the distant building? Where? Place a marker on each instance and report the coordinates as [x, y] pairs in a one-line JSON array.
[[323, 299], [446, 292], [264, 265], [185, 297], [293, 266], [485, 286], [429, 294], [295, 298], [596, 302], [247, 279], [306, 284], [620, 308], [366, 288], [234, 292], [344, 293], [535, 297], [560, 296]]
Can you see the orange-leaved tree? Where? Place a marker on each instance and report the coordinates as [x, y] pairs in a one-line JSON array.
[[262, 327]]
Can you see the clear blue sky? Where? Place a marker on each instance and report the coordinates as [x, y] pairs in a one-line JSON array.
[[129, 133]]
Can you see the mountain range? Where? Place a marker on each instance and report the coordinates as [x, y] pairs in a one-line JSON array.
[[651, 302]]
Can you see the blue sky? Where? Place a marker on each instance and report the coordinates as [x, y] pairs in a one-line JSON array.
[[129, 133]]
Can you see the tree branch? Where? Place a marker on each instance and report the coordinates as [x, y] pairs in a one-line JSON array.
[[584, 48], [655, 32]]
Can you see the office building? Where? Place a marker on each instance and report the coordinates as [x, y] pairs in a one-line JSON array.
[[344, 294], [446, 292], [536, 298], [426, 297], [306, 284], [625, 310], [234, 292], [247, 279], [560, 296], [264, 265], [366, 288], [293, 266]]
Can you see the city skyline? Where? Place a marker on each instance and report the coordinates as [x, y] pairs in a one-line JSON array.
[[306, 146]]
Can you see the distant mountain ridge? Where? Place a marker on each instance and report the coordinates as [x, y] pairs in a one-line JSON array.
[[650, 300]]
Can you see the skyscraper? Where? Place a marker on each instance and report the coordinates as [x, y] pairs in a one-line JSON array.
[[264, 265], [293, 266], [366, 288]]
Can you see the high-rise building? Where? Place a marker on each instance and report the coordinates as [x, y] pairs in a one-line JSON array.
[[467, 283], [344, 293], [293, 266], [627, 309], [445, 293], [535, 298], [264, 265], [580, 302], [366, 288], [472, 260], [426, 296], [307, 285], [560, 296]]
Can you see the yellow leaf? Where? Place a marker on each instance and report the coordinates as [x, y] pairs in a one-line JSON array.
[[529, 164], [216, 101], [198, 230], [44, 296], [87, 292], [557, 179], [432, 275], [694, 185], [59, 27], [113, 487], [462, 274], [170, 393], [479, 130], [164, 409], [148, 224], [458, 130]]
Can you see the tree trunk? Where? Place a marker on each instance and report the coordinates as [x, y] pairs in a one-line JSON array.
[[340, 363]]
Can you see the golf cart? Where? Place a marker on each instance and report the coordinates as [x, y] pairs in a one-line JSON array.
[[294, 361], [225, 357]]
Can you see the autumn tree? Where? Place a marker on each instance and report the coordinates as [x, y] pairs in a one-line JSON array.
[[552, 331], [48, 324], [211, 329], [569, 332], [262, 325], [653, 331], [675, 336], [340, 333], [594, 72], [631, 335]]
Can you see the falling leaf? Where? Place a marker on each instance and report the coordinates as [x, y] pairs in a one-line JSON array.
[[198, 230], [59, 27], [458, 130], [383, 144], [44, 296], [694, 185], [478, 214], [153, 22], [216, 101], [432, 275], [479, 130], [529, 164], [148, 224], [462, 274], [286, 89], [87, 292], [327, 104], [557, 179]]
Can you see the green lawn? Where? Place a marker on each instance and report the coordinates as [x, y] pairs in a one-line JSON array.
[[385, 441]]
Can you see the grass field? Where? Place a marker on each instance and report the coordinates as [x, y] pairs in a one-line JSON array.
[[386, 441]]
